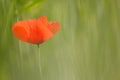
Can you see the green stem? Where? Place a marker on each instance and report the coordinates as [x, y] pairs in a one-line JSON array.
[[39, 59]]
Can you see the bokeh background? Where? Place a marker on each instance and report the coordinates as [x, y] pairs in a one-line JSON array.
[[87, 47]]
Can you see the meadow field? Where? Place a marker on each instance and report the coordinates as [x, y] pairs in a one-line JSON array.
[[87, 46]]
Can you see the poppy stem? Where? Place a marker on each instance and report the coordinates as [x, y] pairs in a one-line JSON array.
[[39, 58]]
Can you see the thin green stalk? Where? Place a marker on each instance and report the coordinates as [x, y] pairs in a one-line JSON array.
[[39, 59]]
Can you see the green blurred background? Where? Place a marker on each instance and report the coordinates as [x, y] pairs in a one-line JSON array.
[[87, 47]]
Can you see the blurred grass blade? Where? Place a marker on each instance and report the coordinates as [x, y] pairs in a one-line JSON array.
[[28, 6]]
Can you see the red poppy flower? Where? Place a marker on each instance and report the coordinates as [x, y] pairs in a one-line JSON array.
[[35, 31]]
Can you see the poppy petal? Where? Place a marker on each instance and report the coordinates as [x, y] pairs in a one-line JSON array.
[[43, 32], [43, 19], [21, 30], [53, 27], [33, 32]]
